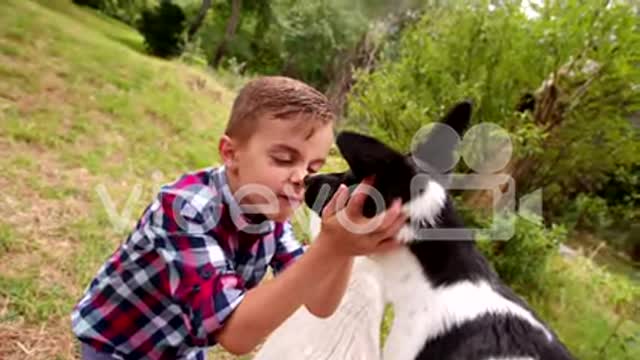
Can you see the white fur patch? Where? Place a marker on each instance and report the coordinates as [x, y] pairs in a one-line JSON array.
[[423, 312], [426, 207], [406, 234]]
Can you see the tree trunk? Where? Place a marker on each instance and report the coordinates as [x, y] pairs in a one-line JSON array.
[[197, 22], [633, 241], [232, 26], [363, 56]]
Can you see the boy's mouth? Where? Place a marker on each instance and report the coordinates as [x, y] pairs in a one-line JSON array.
[[293, 200]]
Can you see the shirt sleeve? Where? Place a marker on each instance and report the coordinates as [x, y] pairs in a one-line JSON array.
[[204, 285], [288, 249]]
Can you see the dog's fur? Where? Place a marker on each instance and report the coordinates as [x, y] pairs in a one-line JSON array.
[[448, 302]]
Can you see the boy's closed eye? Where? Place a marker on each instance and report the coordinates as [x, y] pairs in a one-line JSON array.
[[282, 159], [283, 155]]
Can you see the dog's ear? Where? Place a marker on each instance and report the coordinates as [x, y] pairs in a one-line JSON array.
[[365, 155], [459, 117], [437, 148]]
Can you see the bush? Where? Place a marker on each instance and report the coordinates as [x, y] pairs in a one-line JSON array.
[[315, 33], [127, 11], [491, 54], [633, 242], [588, 213], [94, 4], [301, 39], [522, 260], [163, 28]]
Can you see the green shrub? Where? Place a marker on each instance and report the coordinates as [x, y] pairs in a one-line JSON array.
[[314, 33], [163, 29], [301, 39], [522, 260], [127, 11], [95, 4], [588, 213], [633, 242], [490, 52]]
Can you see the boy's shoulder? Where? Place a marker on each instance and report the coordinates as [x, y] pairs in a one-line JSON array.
[[197, 186], [209, 176], [201, 201]]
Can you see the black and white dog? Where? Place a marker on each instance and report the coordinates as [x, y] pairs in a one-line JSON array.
[[448, 302]]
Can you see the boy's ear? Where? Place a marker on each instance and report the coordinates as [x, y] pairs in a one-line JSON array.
[[365, 155], [438, 147], [226, 150]]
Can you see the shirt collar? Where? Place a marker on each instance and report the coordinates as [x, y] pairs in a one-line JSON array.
[[238, 216]]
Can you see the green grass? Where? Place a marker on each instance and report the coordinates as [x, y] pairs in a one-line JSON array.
[[8, 238], [604, 254], [586, 303], [82, 106], [33, 300], [594, 312]]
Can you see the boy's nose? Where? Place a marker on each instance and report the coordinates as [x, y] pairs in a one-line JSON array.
[[297, 177]]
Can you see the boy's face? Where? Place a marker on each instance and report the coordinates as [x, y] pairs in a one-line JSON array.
[[267, 171]]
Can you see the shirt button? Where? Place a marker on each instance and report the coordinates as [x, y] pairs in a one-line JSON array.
[[206, 273]]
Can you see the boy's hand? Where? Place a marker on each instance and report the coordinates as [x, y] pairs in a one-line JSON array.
[[346, 231], [315, 280]]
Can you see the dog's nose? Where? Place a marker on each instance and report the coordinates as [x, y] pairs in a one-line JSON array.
[[307, 181]]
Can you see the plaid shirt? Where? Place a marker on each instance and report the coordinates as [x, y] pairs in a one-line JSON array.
[[181, 272]]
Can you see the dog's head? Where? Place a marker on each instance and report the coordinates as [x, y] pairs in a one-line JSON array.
[[417, 178]]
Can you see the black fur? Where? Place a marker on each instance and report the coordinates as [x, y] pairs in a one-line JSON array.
[[493, 336], [444, 262]]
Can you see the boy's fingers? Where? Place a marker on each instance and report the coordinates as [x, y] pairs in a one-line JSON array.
[[336, 202], [342, 198], [390, 216], [387, 245], [359, 196], [389, 241], [393, 230]]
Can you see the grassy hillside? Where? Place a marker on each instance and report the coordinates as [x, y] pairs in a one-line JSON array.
[[90, 127]]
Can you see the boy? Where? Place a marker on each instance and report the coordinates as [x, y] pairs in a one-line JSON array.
[[186, 277]]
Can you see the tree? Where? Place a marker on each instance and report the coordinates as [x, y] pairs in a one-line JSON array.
[[365, 55], [232, 25], [314, 34], [162, 28], [579, 59], [197, 22]]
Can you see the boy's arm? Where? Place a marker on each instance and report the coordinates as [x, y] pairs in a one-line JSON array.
[[330, 291], [267, 306]]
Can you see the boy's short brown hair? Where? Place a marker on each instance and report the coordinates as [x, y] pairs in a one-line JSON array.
[[279, 97]]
